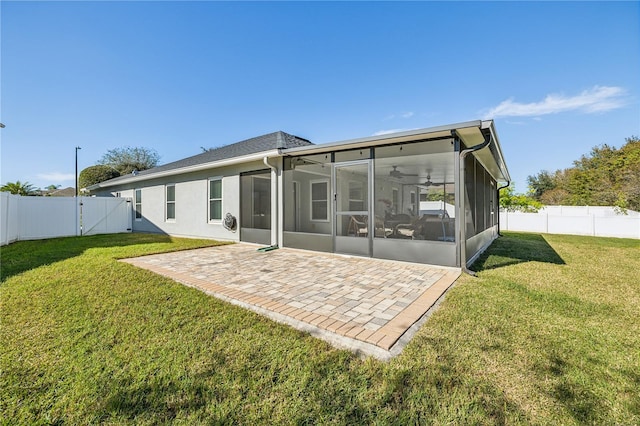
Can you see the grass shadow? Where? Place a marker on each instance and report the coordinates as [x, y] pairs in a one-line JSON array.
[[585, 406], [514, 248], [23, 256], [154, 400]]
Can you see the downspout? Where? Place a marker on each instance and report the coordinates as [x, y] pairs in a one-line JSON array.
[[274, 217], [463, 220], [498, 198]]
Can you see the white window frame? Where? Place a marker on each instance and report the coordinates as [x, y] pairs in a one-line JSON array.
[[166, 203], [413, 201], [395, 200], [296, 200], [209, 199], [311, 200], [360, 186], [135, 205]]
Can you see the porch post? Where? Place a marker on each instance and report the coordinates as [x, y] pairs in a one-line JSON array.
[[275, 171], [280, 203], [459, 196]]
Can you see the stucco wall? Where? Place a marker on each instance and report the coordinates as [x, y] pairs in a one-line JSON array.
[[191, 202]]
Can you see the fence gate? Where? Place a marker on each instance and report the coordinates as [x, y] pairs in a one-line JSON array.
[[99, 215]]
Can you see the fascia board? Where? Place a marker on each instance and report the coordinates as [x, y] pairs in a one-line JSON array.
[[502, 163], [491, 156], [410, 135], [188, 169]]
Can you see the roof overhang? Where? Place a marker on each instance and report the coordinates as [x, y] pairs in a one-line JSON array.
[[472, 133], [386, 139], [490, 156], [196, 168]]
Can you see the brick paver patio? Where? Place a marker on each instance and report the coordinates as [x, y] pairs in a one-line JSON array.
[[362, 304]]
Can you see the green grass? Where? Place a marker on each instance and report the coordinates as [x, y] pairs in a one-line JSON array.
[[547, 334]]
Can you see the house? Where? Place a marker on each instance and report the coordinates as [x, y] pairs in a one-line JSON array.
[[64, 192], [427, 196]]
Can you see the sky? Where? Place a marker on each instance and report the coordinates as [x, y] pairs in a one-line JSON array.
[[558, 78]]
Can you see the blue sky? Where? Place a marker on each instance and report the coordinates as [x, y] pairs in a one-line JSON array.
[[558, 78]]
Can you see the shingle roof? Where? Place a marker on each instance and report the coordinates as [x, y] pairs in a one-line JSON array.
[[64, 192], [268, 142]]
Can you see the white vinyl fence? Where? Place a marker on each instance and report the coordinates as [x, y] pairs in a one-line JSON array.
[[575, 220], [33, 218]]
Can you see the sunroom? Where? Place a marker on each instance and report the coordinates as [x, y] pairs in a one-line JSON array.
[[427, 196]]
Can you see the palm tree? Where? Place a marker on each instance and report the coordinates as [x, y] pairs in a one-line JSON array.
[[19, 188]]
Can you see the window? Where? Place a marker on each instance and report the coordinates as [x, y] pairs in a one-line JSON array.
[[171, 202], [356, 196], [215, 199], [296, 205], [138, 203], [412, 203], [300, 176], [255, 200], [395, 200], [415, 191], [320, 200]]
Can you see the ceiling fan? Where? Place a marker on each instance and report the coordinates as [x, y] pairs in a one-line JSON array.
[[395, 173], [429, 183]]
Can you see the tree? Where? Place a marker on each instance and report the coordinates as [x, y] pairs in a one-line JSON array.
[[540, 183], [512, 202], [605, 177], [556, 197], [19, 188], [126, 160], [96, 174], [52, 187], [629, 174]]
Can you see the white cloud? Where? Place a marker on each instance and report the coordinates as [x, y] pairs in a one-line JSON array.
[[386, 132], [407, 114], [596, 99], [56, 176]]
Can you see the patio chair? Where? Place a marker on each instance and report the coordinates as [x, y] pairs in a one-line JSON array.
[[404, 226], [381, 229], [358, 226]]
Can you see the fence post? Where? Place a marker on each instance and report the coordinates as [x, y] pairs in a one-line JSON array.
[[546, 223], [78, 203], [4, 239], [77, 208], [130, 214]]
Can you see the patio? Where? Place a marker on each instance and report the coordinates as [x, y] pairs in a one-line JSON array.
[[369, 306]]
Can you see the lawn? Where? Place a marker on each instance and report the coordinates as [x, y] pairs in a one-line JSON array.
[[548, 333]]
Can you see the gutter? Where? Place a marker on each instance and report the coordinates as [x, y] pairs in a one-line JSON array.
[[274, 217], [498, 198], [463, 221], [386, 139], [489, 124], [502, 164], [188, 169]]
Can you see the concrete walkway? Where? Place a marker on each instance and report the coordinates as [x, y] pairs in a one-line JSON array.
[[371, 306]]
